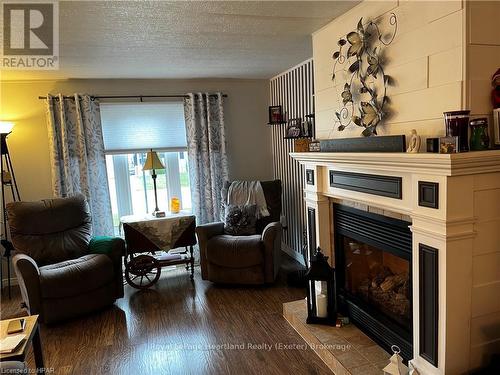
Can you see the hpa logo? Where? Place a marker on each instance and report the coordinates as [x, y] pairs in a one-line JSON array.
[[30, 35]]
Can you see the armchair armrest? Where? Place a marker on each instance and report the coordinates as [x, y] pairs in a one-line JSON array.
[[271, 237], [114, 248], [205, 232], [28, 277]]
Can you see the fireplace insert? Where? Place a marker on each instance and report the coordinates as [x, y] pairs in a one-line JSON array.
[[373, 268]]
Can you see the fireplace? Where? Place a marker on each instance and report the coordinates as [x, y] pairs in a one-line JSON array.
[[373, 267]]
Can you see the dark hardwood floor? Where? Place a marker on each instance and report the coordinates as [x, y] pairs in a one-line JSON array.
[[181, 327]]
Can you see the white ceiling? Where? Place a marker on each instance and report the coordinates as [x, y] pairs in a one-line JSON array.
[[185, 39]]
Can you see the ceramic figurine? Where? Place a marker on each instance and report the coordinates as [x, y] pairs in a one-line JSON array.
[[396, 366], [414, 143], [495, 94]]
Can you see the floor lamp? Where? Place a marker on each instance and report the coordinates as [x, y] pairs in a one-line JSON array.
[[8, 181]]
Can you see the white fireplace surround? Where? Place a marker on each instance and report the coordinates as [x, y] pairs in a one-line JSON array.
[[456, 232]]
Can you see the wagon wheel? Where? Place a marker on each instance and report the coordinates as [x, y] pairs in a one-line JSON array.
[[142, 271], [130, 256]]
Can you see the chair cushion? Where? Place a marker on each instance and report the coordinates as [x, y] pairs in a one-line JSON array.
[[75, 276], [235, 251]]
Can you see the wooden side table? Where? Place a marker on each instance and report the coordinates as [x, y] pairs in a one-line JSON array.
[[32, 333], [156, 236]]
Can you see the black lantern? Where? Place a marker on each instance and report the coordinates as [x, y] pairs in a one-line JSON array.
[[321, 304]]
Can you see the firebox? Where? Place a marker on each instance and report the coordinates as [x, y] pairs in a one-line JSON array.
[[373, 268]]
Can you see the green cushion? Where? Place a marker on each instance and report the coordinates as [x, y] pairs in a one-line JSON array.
[[101, 245]]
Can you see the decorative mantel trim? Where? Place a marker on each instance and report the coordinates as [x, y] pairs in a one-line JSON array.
[[425, 163], [428, 303], [428, 194], [386, 186]]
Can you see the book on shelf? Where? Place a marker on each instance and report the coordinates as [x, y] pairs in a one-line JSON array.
[[167, 256]]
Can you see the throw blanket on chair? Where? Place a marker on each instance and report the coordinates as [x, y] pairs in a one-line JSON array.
[[248, 192]]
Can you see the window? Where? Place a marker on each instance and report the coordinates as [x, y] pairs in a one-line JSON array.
[[129, 131]]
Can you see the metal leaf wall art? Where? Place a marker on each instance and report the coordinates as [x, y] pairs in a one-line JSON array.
[[359, 63]]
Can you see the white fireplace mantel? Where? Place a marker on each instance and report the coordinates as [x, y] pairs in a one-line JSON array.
[[427, 163], [453, 201]]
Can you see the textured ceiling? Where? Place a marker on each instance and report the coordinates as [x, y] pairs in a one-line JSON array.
[[185, 39]]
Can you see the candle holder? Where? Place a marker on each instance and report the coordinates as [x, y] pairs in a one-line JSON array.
[[321, 303]]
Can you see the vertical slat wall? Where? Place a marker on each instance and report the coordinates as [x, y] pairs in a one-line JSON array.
[[293, 90]]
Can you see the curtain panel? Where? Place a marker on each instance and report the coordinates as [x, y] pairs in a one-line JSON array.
[[77, 155], [206, 144]]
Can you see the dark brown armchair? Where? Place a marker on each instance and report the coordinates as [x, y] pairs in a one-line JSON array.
[[253, 259], [60, 274]]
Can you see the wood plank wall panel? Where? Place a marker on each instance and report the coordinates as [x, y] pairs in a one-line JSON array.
[[485, 331], [293, 90], [483, 53], [425, 61], [483, 59]]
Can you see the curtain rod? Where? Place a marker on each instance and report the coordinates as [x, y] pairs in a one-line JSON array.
[[127, 96]]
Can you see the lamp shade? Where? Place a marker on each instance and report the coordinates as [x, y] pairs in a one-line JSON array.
[[6, 127], [152, 162]]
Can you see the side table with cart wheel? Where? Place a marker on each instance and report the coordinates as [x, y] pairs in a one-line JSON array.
[[150, 246]]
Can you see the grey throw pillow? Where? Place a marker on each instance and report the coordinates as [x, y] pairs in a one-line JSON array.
[[240, 220]]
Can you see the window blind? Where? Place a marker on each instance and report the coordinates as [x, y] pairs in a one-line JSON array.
[[134, 127]]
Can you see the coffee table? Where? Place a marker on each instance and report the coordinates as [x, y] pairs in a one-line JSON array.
[[32, 333]]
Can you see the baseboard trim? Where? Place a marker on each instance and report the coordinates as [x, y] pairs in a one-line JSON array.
[[292, 253]]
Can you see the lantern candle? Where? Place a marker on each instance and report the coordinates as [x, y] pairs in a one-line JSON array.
[[321, 306], [321, 303]]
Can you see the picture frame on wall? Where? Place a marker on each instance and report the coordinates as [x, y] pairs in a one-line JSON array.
[[448, 145], [294, 128], [275, 115]]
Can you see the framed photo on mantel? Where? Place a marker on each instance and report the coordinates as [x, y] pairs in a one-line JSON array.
[[449, 145], [275, 115], [294, 128]]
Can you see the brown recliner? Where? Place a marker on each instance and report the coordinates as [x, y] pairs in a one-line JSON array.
[[253, 259], [59, 274]]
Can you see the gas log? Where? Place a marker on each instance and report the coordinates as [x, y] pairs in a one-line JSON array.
[[388, 292]]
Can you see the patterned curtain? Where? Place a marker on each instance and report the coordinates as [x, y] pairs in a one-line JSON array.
[[206, 142], [77, 155]]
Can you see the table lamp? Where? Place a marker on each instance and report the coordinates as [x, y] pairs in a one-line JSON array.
[[153, 163]]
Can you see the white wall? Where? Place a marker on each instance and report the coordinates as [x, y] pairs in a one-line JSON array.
[[425, 61], [483, 59], [249, 138], [483, 54]]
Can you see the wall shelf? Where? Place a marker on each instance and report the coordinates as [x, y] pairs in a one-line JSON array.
[[299, 137]]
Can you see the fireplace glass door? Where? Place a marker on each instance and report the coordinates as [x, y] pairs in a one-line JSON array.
[[373, 269], [378, 278]]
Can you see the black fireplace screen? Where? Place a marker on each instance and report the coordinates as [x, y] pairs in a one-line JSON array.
[[379, 278]]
